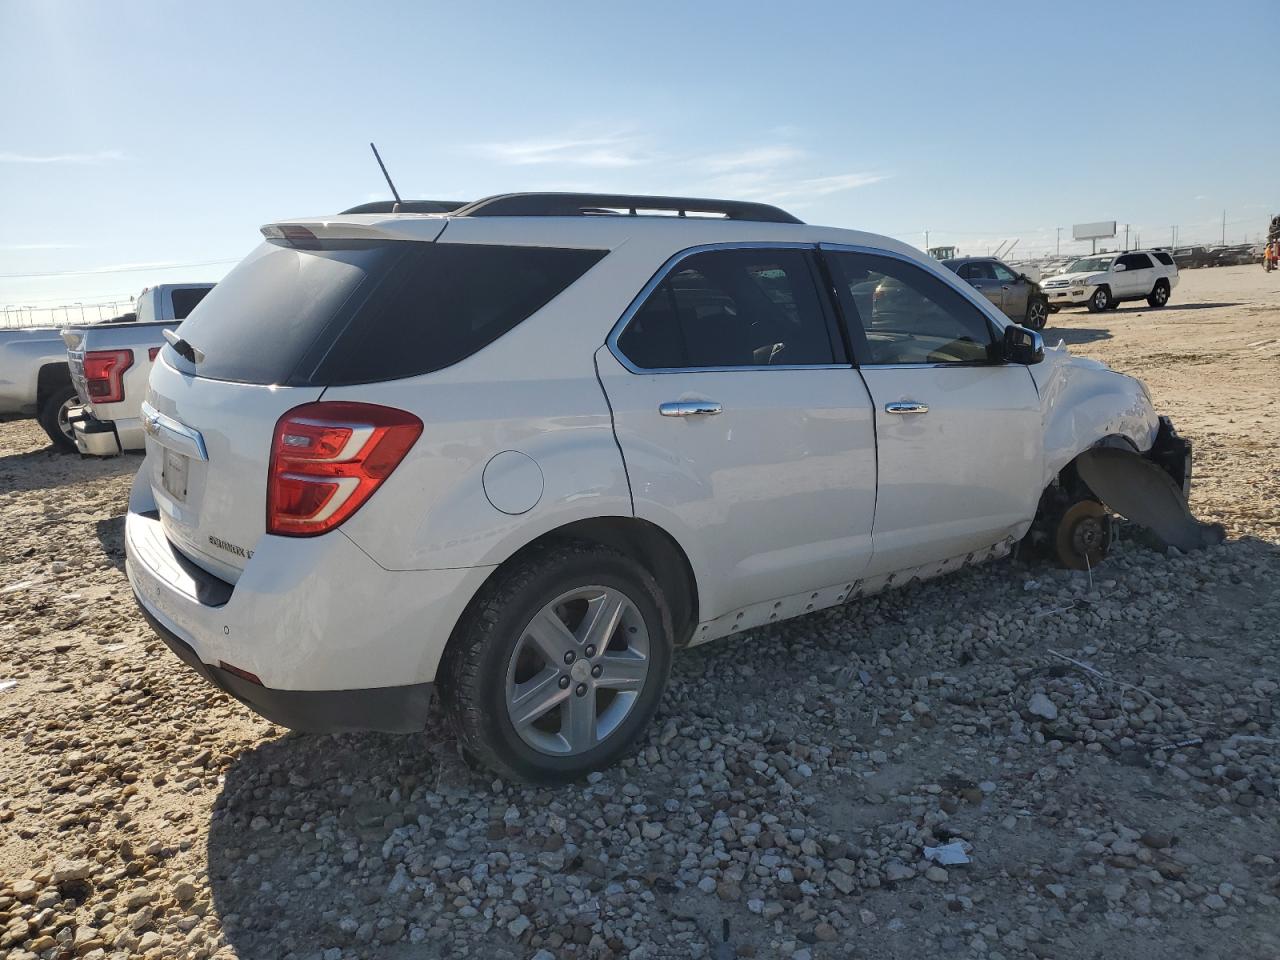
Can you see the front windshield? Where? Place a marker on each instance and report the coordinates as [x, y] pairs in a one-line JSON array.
[[1089, 265]]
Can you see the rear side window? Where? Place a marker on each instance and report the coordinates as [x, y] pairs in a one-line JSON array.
[[1164, 258], [442, 302], [732, 308], [184, 301], [364, 311]]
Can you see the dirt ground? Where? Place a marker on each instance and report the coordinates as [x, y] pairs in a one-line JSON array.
[[1106, 749]]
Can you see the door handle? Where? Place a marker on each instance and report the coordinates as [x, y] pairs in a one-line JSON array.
[[906, 406], [689, 408]]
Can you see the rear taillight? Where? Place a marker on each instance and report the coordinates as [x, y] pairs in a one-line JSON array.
[[327, 459], [104, 374], [152, 353]]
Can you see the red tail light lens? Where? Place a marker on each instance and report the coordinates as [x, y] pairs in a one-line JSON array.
[[104, 374], [327, 459], [152, 353]]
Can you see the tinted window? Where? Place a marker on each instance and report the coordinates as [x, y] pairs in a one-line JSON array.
[[981, 270], [442, 302], [1164, 258], [731, 308], [184, 301], [899, 313], [1135, 261], [1003, 273], [370, 310]]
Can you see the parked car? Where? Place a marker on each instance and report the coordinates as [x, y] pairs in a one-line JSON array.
[[1233, 256], [1105, 281], [1010, 290], [1189, 257], [35, 381], [522, 460], [110, 363]]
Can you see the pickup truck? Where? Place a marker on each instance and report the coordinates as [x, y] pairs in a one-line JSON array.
[[110, 363], [35, 381]]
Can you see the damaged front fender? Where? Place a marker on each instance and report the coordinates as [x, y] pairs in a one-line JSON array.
[[1148, 492]]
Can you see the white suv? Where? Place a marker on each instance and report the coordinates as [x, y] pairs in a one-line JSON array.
[[525, 450], [1104, 281]]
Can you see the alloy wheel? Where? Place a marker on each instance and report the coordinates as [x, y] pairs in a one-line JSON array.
[[64, 420], [1039, 314], [577, 670]]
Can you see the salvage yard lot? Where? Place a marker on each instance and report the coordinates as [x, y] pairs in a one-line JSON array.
[[1109, 749]]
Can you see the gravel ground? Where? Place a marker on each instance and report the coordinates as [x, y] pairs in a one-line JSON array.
[[1105, 751]]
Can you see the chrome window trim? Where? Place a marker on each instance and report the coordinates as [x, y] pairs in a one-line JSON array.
[[633, 308], [983, 305]]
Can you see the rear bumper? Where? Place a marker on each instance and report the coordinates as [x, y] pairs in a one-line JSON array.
[[400, 709], [335, 641], [94, 438]]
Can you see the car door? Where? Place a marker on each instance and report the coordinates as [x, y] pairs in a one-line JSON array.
[[745, 431], [982, 278], [1138, 276], [959, 436], [1014, 290]]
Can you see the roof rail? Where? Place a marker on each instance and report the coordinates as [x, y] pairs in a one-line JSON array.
[[408, 206], [610, 204]]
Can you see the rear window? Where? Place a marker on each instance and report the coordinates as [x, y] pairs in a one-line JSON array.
[[367, 311], [185, 300]]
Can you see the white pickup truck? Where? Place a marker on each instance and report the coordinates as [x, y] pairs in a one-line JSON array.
[[109, 365]]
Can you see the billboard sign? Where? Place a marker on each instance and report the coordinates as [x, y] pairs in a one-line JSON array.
[[1094, 231]]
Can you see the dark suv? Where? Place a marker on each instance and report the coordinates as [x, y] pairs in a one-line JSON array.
[[1015, 293]]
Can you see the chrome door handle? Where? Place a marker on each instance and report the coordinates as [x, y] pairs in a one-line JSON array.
[[689, 408], [906, 406]]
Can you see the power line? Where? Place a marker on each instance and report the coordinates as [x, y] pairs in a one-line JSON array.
[[113, 270]]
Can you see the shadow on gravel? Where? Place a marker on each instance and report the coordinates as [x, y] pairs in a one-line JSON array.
[[1178, 307], [297, 844], [111, 536], [48, 469], [1074, 335]]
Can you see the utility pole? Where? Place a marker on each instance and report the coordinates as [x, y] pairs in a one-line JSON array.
[[1173, 237], [1224, 228], [1126, 236], [926, 241], [1057, 250]]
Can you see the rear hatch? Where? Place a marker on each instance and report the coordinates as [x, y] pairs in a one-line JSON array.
[[260, 335], [302, 313]]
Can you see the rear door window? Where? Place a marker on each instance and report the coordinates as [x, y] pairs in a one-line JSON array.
[[185, 300], [1135, 261], [752, 307], [365, 311], [1164, 258]]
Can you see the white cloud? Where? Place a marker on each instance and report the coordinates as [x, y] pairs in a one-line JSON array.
[[14, 247], [604, 151], [758, 157], [99, 156]]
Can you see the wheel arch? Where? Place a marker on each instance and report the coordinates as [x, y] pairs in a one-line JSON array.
[[51, 377], [656, 550]]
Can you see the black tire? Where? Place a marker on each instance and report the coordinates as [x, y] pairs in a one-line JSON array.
[[475, 668], [1114, 305], [52, 417], [1101, 300], [1159, 294], [1037, 313], [1054, 308], [1082, 537]]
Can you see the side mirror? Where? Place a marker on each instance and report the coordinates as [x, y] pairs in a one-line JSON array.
[[1119, 267], [1022, 345]]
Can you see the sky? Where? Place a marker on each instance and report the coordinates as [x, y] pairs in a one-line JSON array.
[[145, 142]]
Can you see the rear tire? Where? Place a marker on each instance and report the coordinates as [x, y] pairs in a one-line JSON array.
[[53, 417], [1159, 295], [1101, 300], [532, 691], [1083, 535]]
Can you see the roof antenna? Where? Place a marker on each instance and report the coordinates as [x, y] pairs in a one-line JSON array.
[[395, 208]]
